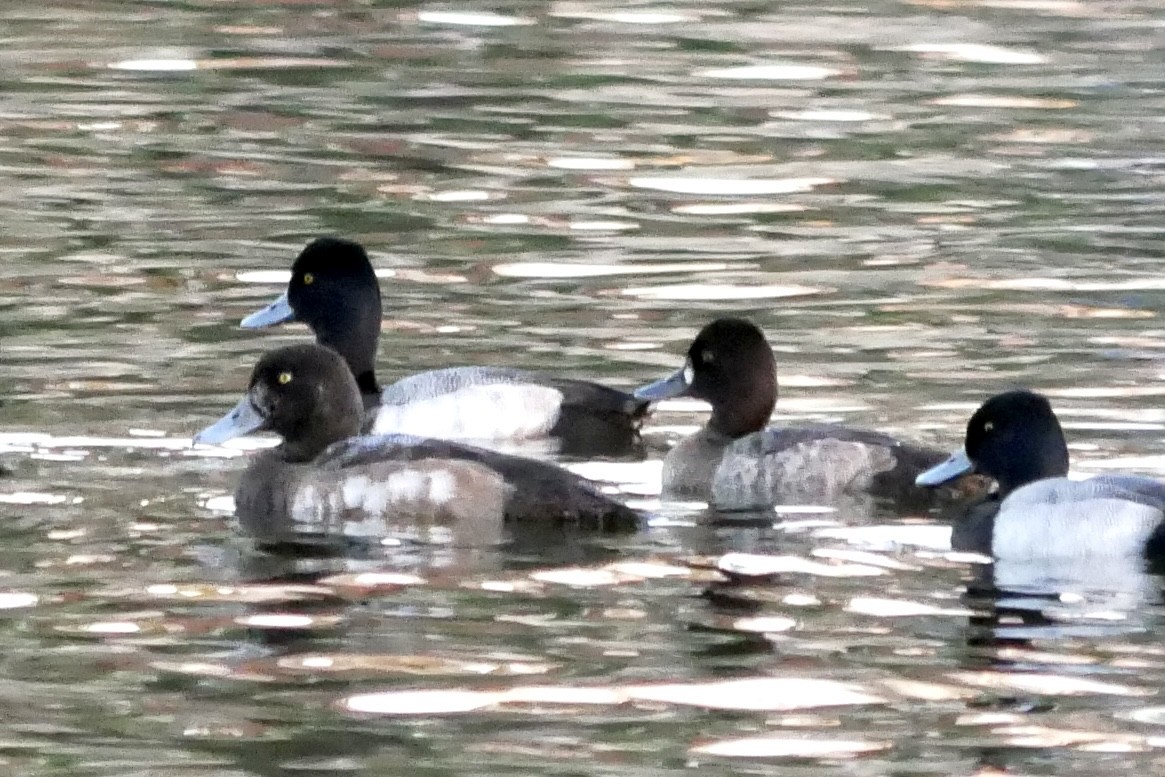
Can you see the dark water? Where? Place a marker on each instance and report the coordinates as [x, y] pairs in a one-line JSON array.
[[922, 203]]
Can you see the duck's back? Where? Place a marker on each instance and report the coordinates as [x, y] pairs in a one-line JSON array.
[[819, 464], [488, 403]]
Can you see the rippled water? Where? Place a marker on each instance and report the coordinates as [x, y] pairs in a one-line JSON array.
[[921, 203]]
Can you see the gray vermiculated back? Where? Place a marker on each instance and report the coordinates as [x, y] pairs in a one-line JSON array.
[[435, 383]]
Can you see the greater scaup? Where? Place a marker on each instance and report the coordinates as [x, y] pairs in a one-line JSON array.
[[1037, 512], [334, 290], [324, 481], [736, 463]]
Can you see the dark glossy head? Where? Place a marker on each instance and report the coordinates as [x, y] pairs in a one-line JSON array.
[[1014, 438], [303, 393], [333, 290], [730, 366]]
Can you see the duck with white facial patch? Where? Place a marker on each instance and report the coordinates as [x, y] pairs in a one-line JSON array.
[[738, 462]]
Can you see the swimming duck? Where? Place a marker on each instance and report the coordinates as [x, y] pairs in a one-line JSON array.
[[1038, 512], [334, 290], [323, 480], [738, 462]]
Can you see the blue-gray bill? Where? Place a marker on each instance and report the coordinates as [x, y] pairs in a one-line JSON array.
[[242, 420], [676, 385], [957, 465], [278, 312]]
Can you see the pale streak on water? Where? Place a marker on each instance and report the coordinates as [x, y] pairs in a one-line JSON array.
[[921, 202]]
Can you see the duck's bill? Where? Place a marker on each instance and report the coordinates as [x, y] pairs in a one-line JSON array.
[[956, 466], [676, 385], [278, 312], [242, 420]]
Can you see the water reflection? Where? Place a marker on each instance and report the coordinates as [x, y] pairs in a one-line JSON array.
[[921, 203]]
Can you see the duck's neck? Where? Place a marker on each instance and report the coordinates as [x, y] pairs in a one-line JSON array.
[[745, 412], [336, 418], [354, 333], [369, 388], [1047, 458]]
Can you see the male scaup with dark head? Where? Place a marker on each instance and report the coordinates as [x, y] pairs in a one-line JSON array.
[[736, 463], [334, 290], [1038, 513], [324, 481]]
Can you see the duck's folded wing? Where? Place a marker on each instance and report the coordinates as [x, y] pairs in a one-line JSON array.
[[534, 490], [817, 464], [1138, 488]]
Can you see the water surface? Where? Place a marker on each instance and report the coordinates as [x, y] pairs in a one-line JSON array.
[[922, 203]]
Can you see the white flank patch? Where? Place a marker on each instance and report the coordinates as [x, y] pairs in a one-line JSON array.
[[1066, 519], [489, 412], [305, 507], [408, 485], [354, 488], [442, 487]]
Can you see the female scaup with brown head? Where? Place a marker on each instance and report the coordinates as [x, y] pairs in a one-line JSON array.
[[1038, 513], [334, 290], [738, 462], [324, 481]]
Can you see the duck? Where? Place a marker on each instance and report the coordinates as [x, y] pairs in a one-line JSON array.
[[326, 480], [1037, 513], [738, 462], [334, 290]]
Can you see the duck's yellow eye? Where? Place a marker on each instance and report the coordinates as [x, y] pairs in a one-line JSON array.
[[285, 378], [989, 426], [308, 279]]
